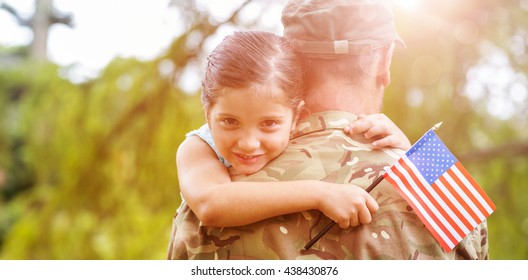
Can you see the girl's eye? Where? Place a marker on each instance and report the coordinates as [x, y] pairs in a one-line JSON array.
[[269, 123], [230, 121]]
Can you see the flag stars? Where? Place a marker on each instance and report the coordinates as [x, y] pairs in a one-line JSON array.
[[431, 157]]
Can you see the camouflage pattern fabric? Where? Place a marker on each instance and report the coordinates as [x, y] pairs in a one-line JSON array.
[[320, 150]]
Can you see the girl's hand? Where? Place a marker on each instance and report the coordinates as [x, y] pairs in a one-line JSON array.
[[348, 205], [381, 130]]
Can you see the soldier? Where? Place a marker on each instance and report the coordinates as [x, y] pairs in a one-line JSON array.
[[348, 46], [251, 97]]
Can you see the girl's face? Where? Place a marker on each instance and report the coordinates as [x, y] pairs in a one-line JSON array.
[[250, 129]]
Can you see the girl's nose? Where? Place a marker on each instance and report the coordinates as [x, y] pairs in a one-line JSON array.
[[248, 142]]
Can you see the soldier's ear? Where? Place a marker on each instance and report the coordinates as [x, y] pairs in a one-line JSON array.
[[384, 69]]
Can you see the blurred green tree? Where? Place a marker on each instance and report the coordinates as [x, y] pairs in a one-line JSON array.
[[87, 170]]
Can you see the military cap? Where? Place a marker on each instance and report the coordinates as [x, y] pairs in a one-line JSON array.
[[329, 28]]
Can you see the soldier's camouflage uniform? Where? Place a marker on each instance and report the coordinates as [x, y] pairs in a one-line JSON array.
[[320, 150]]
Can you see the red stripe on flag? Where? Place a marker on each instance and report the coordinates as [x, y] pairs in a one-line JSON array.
[[418, 198], [441, 208], [438, 238], [461, 201], [436, 200], [476, 186], [455, 209], [480, 209]]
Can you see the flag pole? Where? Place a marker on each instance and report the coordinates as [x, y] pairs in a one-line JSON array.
[[330, 225]]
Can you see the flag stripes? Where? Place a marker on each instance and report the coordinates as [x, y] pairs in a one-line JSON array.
[[476, 191], [450, 207], [465, 201], [399, 176], [458, 209]]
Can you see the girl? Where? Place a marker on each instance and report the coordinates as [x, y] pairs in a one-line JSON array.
[[252, 98]]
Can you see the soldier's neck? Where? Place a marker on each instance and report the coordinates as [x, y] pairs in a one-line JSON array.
[[353, 100]]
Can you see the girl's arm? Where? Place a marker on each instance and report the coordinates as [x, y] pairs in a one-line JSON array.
[[382, 130], [217, 201]]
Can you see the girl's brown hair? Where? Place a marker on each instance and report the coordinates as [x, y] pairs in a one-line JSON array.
[[253, 59]]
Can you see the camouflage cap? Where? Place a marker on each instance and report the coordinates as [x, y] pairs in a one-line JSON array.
[[329, 28]]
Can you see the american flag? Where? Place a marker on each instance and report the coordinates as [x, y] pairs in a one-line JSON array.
[[443, 194]]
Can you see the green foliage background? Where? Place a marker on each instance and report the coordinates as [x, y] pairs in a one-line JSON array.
[[87, 170]]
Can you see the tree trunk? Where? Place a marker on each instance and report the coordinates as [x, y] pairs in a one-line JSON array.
[[40, 24]]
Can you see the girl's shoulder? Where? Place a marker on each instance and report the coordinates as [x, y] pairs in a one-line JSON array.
[[204, 133]]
